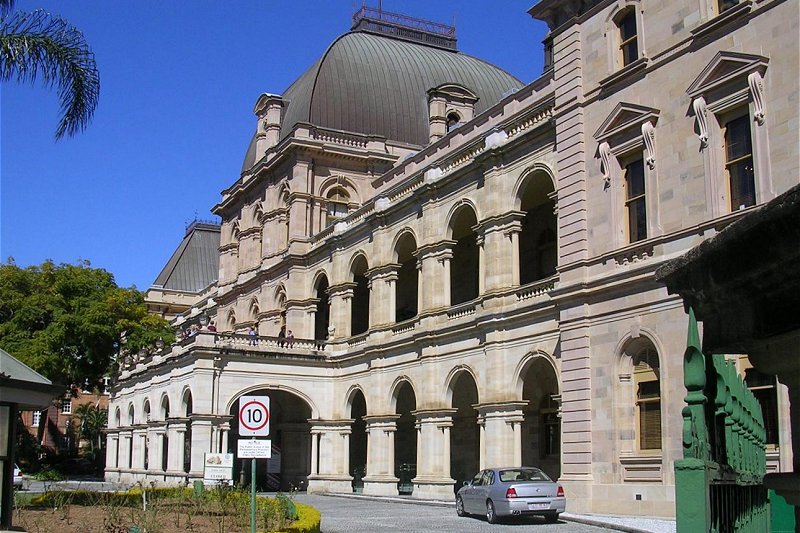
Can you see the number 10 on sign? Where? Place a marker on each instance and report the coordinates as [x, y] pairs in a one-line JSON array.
[[254, 416]]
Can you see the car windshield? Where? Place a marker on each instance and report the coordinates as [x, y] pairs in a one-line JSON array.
[[523, 474]]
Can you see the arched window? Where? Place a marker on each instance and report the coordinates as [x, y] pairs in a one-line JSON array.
[[647, 388], [407, 285], [465, 264], [453, 121], [254, 310], [359, 312], [231, 320], [628, 36], [147, 410], [338, 201]]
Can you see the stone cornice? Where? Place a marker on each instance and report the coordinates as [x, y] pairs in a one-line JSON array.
[[441, 249]]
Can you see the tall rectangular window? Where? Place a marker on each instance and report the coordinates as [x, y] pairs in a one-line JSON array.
[[648, 399], [66, 407], [628, 45], [739, 163], [635, 200], [37, 418], [763, 388]]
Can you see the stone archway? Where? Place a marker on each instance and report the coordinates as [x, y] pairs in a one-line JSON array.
[[290, 434], [465, 433], [405, 438], [541, 426], [358, 440]]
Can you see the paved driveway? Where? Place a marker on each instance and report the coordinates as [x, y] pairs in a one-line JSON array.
[[346, 515]]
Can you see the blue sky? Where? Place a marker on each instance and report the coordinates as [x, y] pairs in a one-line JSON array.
[[178, 83]]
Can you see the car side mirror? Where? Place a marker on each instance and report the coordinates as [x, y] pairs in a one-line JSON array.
[[467, 483]]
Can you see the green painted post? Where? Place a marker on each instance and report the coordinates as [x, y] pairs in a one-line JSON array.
[[252, 496]]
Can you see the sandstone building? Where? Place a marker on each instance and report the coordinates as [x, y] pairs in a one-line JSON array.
[[466, 261]]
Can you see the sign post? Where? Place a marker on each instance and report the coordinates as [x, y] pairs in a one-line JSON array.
[[254, 422]]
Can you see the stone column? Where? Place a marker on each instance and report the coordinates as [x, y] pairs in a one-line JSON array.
[[435, 262], [383, 297], [341, 301], [433, 479], [176, 430], [201, 444], [500, 251], [482, 442], [112, 454], [380, 479], [139, 449], [330, 451], [501, 443], [224, 432]]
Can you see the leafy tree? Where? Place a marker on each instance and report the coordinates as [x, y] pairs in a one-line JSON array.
[[38, 44], [91, 421], [66, 321]]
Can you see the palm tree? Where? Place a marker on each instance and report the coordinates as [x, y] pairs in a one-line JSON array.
[[92, 422], [38, 44]]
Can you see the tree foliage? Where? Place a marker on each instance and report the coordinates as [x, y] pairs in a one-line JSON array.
[[36, 44], [66, 321]]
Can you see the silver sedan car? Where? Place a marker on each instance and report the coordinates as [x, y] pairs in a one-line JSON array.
[[513, 491]]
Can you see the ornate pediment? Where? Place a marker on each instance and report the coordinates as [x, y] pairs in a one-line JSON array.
[[454, 91], [625, 117], [724, 68]]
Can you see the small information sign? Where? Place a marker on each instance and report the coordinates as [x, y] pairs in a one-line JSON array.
[[254, 449], [218, 469]]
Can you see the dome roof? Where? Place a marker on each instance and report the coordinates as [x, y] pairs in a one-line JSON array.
[[375, 84]]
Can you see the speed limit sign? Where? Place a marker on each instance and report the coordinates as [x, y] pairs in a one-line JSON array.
[[254, 416]]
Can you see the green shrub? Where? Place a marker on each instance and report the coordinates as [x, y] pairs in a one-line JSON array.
[[48, 474], [308, 520]]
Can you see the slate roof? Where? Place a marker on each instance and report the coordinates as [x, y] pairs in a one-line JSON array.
[[195, 263], [377, 84]]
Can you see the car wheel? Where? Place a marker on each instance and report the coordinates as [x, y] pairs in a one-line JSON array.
[[491, 517], [551, 518], [460, 506]]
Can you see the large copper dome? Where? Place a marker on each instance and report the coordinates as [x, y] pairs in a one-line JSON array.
[[376, 84]]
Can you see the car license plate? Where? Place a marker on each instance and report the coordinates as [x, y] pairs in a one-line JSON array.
[[538, 506]]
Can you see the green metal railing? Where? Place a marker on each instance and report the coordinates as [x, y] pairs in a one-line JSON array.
[[719, 482]]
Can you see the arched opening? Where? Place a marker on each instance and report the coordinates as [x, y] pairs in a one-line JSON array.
[[465, 433], [230, 321], [406, 287], [186, 411], [165, 436], [453, 121], [254, 310], [465, 264], [322, 316], [117, 422], [405, 439], [289, 431], [537, 240], [541, 425], [358, 440], [146, 439], [130, 438], [359, 311]]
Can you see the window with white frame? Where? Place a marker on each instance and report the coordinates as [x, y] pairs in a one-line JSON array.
[[338, 201], [37, 419], [764, 388], [627, 153], [66, 406], [730, 115]]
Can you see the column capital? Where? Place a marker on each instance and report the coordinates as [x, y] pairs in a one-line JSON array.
[[439, 417], [510, 222], [438, 250], [331, 426], [385, 422], [343, 290], [387, 272], [502, 410]]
